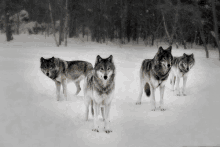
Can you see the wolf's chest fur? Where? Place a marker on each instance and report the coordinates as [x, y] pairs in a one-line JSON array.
[[100, 93], [156, 77]]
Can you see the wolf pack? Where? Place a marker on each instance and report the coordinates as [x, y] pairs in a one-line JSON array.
[[99, 81]]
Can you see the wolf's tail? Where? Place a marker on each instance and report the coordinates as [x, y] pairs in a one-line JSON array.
[[171, 81], [147, 89], [92, 110]]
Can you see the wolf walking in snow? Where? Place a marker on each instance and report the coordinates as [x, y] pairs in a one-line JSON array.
[[99, 90], [63, 72], [180, 69], [153, 74]]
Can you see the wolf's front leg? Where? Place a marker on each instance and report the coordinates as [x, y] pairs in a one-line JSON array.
[[58, 84], [184, 85], [77, 87], [162, 88], [153, 103], [140, 93], [86, 102], [177, 86], [64, 84], [107, 118], [173, 80], [96, 109]]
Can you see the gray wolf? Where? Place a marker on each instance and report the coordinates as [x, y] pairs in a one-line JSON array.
[[99, 88], [153, 74], [180, 69], [63, 72]]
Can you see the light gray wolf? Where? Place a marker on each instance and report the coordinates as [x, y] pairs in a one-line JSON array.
[[99, 88], [180, 69], [153, 74], [63, 72]]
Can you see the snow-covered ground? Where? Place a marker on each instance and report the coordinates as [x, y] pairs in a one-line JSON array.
[[31, 116]]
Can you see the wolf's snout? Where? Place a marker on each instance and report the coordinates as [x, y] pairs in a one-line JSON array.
[[47, 74], [187, 68], [168, 65], [105, 77]]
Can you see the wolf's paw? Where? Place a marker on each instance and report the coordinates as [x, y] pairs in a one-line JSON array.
[[162, 109], [108, 131], [95, 130], [138, 103], [178, 94]]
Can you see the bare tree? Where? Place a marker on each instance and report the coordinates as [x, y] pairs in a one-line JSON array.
[[7, 24], [53, 25], [66, 23], [176, 16], [61, 32], [215, 26], [201, 30]]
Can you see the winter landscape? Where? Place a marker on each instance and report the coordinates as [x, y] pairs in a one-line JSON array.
[[130, 31], [31, 116]]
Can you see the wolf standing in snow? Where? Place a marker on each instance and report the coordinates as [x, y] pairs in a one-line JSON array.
[[61, 72], [180, 69], [99, 90], [153, 74]]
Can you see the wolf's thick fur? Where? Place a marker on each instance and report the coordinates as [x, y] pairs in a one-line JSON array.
[[180, 69], [153, 74], [99, 89], [63, 72]]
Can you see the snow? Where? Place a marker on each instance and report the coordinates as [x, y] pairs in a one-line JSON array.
[[31, 116]]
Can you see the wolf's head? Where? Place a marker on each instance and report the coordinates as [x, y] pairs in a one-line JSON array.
[[187, 62], [164, 57], [48, 67], [104, 67]]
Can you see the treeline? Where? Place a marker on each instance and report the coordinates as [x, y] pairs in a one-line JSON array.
[[176, 21]]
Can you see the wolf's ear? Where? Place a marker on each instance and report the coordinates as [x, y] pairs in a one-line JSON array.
[[184, 55], [192, 55], [52, 59], [169, 49], [110, 58], [98, 59], [41, 59], [160, 50]]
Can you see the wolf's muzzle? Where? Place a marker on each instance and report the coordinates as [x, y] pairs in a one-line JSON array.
[[47, 74], [105, 77]]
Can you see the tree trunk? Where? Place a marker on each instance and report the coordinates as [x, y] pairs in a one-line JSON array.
[[18, 23], [53, 25], [201, 31], [216, 26], [203, 40], [165, 28], [61, 24], [66, 23], [7, 27]]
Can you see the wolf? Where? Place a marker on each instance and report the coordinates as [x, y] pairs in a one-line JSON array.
[[180, 69], [63, 72], [99, 88], [153, 74]]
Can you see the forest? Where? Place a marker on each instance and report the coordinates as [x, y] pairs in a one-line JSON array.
[[176, 22]]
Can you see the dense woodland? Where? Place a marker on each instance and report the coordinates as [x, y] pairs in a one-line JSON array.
[[178, 22]]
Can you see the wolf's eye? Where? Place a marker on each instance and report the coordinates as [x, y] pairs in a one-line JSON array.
[[164, 58], [102, 68], [109, 68]]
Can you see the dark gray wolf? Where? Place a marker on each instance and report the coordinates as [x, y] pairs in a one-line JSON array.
[[153, 74], [180, 69], [99, 90], [63, 72]]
